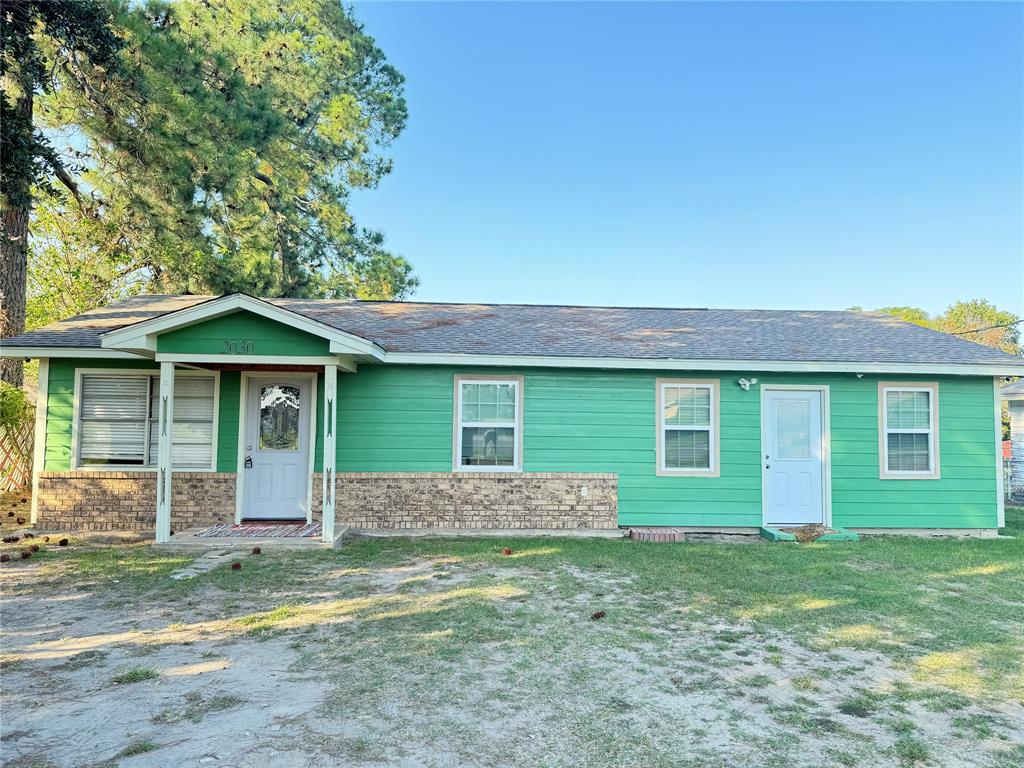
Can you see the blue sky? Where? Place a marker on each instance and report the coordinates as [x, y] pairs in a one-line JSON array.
[[727, 155]]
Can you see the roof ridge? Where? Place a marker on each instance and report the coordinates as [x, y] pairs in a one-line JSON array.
[[566, 306]]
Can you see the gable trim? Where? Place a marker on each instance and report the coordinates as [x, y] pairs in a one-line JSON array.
[[142, 335]]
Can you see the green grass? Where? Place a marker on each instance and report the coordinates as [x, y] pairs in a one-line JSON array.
[[911, 750], [452, 628], [135, 675], [137, 748], [950, 611]]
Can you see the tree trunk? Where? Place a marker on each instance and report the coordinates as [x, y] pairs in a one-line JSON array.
[[14, 263]]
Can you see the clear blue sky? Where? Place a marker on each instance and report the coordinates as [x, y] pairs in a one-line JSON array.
[[727, 155]]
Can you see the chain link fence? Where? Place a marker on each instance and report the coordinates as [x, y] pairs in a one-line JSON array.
[[1013, 478]]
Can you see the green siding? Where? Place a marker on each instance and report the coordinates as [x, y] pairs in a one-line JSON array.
[[399, 419], [267, 336], [227, 421]]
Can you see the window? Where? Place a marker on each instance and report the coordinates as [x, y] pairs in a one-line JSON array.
[[488, 416], [687, 427], [118, 416], [908, 431]]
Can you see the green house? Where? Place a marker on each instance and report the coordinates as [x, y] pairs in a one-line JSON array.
[[170, 412]]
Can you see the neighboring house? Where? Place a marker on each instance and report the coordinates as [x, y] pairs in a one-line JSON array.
[[173, 411], [1013, 394]]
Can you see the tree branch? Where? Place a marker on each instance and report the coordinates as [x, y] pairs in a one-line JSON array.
[[65, 178]]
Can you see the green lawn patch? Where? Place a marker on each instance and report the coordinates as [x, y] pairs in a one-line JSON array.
[[135, 675]]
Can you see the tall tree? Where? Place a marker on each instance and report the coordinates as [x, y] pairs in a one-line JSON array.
[[226, 161], [78, 30]]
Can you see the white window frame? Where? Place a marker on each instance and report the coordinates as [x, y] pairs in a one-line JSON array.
[[713, 428], [517, 425], [76, 415], [932, 473]]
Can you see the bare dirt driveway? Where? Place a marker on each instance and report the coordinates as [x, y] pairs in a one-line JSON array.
[[420, 652]]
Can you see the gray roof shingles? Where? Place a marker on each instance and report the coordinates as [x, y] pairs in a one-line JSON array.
[[568, 331]]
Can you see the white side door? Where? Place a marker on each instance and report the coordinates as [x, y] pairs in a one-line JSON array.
[[276, 463], [792, 458]]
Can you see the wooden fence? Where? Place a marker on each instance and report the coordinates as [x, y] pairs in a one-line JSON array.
[[16, 454]]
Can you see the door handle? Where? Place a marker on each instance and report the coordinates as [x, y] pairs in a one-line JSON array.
[[248, 462]]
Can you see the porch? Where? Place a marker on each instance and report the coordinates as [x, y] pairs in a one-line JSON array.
[[284, 489], [268, 536]]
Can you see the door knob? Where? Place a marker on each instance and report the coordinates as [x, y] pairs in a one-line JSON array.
[[248, 462]]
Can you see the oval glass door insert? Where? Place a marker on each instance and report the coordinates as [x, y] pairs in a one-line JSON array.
[[279, 417]]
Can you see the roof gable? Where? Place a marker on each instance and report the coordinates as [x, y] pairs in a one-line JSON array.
[[142, 336], [241, 332]]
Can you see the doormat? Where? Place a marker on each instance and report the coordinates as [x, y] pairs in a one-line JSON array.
[[807, 533], [261, 531]]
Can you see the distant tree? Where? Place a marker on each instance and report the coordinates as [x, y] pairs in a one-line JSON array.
[[38, 39], [977, 320], [910, 314]]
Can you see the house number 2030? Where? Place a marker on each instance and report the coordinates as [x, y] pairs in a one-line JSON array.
[[241, 347]]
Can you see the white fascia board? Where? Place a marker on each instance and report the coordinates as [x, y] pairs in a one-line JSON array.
[[348, 366], [87, 352], [139, 343], [781, 366], [347, 347], [249, 359], [130, 336]]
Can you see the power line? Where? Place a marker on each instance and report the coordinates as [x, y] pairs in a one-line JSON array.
[[987, 328]]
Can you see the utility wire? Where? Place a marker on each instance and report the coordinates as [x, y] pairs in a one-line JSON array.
[[987, 328]]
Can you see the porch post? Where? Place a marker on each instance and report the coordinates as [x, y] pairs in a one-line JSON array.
[[330, 425], [39, 446], [163, 472]]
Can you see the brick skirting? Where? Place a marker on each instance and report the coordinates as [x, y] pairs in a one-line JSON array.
[[126, 501], [528, 500]]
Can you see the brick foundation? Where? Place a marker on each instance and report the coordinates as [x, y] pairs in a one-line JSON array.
[[534, 500], [126, 501]]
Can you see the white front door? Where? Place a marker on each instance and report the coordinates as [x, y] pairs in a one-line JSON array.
[[792, 458], [276, 463]]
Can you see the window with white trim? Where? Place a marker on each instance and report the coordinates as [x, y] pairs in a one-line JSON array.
[[488, 423], [118, 416], [687, 428], [909, 429]]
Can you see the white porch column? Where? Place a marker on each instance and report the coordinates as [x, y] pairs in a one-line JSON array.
[[39, 445], [163, 472], [330, 426]]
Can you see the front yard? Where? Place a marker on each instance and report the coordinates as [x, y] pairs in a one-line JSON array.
[[565, 652]]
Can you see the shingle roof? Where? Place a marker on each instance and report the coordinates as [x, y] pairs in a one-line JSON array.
[[571, 331]]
